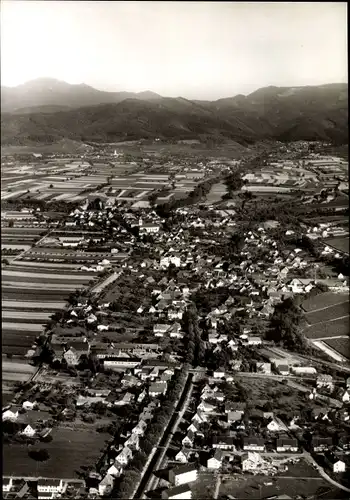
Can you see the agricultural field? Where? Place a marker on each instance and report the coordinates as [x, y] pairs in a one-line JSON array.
[[322, 300], [69, 451], [341, 244], [335, 328], [248, 487], [328, 313], [30, 295], [340, 345]]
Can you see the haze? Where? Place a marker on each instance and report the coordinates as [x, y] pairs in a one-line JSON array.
[[194, 49]]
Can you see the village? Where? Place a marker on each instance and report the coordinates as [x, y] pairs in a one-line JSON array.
[[208, 338]]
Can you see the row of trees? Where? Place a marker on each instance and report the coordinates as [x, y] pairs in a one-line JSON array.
[[194, 344], [131, 477]]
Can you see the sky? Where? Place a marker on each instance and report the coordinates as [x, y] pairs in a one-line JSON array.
[[203, 50]]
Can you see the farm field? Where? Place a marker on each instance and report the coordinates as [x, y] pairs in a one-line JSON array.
[[28, 305], [69, 451], [328, 314], [326, 299], [334, 328], [341, 345], [341, 244], [248, 487]]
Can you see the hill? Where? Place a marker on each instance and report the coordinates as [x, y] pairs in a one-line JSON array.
[[272, 113]]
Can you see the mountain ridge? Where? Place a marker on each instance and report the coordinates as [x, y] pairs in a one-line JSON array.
[[61, 110]]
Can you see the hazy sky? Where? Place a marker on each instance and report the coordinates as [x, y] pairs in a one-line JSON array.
[[194, 49]]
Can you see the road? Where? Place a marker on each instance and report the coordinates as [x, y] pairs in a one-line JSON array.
[[148, 479], [20, 255], [324, 474], [100, 286]]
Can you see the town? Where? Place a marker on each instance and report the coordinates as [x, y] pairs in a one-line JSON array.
[[176, 325]]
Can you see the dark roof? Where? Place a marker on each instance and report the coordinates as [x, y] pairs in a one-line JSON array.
[[182, 469], [253, 440], [223, 439], [177, 490], [287, 441], [316, 441], [42, 481]]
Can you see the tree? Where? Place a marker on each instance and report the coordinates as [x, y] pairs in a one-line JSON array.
[[39, 455]]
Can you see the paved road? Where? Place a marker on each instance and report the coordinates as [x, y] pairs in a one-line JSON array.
[[100, 286], [322, 472]]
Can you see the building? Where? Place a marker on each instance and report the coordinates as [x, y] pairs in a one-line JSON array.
[[183, 474], [276, 425], [286, 445], [325, 381], [252, 461], [124, 456], [157, 389], [182, 492], [320, 444], [304, 370], [253, 444], [49, 485], [224, 443], [215, 462], [106, 485], [6, 484]]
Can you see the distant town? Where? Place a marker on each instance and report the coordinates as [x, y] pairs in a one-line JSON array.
[[175, 322]]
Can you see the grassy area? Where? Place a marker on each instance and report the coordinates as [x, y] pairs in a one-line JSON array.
[[340, 345], [334, 328], [326, 299], [69, 451], [330, 313], [341, 244], [251, 487], [204, 487]]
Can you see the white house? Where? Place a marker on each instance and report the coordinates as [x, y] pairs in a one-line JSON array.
[[28, 431], [106, 485], [48, 485], [11, 413], [182, 492], [183, 474], [215, 462], [339, 466], [124, 456], [115, 470], [252, 461], [182, 455], [7, 483], [276, 425], [345, 398]]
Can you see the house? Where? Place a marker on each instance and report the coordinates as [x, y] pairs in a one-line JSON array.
[[320, 444], [337, 465], [11, 413], [215, 462], [286, 444], [224, 443], [133, 442], [139, 428], [183, 474], [206, 407], [157, 389], [115, 470], [124, 456], [345, 397], [304, 370], [182, 492], [7, 483], [105, 486], [325, 381], [28, 430], [252, 462], [263, 367], [126, 399], [47, 485], [234, 416], [188, 440], [276, 425], [27, 405], [183, 455], [254, 340], [253, 444], [159, 329], [282, 369], [219, 373]]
